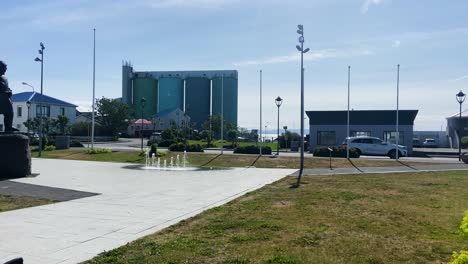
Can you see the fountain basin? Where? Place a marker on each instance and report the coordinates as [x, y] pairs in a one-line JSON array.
[[174, 168]]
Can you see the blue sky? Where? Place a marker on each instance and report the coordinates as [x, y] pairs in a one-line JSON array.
[[428, 38]]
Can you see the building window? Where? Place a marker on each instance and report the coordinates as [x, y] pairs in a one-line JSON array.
[[360, 133], [62, 111], [18, 126], [1, 127], [390, 137], [19, 111], [326, 138], [45, 111]]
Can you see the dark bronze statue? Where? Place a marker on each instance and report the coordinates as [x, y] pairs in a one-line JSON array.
[[6, 106]]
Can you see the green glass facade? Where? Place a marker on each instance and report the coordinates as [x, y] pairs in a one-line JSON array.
[[230, 101], [147, 88], [171, 93], [197, 100]]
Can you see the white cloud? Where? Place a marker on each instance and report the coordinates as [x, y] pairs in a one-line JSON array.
[[459, 78], [396, 43], [368, 3], [316, 55]]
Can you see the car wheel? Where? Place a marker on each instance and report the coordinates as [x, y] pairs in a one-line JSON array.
[[358, 151], [392, 154]]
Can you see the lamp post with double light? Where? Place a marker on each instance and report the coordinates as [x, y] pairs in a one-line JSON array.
[[278, 102], [300, 48], [460, 99]]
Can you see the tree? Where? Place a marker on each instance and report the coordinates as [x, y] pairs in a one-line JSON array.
[[113, 115], [232, 136], [208, 135], [61, 123]]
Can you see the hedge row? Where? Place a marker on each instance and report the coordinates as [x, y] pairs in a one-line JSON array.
[[338, 152], [188, 148], [252, 150]]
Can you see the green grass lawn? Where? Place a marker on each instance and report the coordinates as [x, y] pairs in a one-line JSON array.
[[211, 160], [384, 218], [8, 202]]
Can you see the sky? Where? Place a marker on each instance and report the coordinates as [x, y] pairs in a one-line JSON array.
[[428, 38]]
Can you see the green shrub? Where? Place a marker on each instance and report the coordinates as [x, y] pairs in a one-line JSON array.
[[49, 148], [460, 258], [98, 151], [166, 143], [252, 150], [464, 224], [188, 148], [338, 152], [76, 144], [231, 146]]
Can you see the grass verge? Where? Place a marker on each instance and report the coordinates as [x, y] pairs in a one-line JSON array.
[[8, 203], [391, 218], [211, 160]]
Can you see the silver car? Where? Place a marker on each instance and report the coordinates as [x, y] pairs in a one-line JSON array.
[[373, 146]]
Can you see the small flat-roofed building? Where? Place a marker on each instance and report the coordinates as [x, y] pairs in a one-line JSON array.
[[329, 128]]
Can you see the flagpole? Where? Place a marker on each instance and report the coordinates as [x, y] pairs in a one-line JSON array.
[[260, 136], [397, 109], [94, 89], [347, 123]]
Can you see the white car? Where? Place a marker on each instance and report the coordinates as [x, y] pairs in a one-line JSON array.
[[375, 147]]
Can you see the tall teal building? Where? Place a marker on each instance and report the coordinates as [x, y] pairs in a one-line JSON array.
[[198, 93]]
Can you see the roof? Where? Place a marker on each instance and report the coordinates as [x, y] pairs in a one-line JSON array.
[[39, 98], [362, 117], [457, 115], [139, 121]]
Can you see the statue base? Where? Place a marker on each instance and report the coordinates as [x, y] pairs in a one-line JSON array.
[[15, 156]]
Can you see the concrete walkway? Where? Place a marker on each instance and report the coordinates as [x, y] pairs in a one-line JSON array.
[[360, 170], [131, 204]]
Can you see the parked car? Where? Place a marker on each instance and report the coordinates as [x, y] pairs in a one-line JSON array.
[[375, 147], [429, 143], [156, 136]]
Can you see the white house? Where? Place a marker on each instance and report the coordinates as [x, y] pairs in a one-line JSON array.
[[164, 118], [51, 108]]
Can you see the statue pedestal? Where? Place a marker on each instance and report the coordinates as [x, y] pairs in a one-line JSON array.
[[15, 156]]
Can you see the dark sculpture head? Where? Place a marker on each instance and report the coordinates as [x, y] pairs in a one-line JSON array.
[[3, 68]]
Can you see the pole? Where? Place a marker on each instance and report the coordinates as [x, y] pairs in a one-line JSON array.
[[41, 107], [277, 137], [222, 114], [301, 169], [460, 129], [94, 88], [141, 128], [260, 135], [347, 123], [397, 110]]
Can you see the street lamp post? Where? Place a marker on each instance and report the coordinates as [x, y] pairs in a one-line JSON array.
[[278, 102], [460, 98], [301, 49], [142, 101], [41, 52], [27, 84], [285, 136], [28, 104]]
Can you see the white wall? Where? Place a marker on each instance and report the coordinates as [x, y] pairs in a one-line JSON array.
[[70, 112]]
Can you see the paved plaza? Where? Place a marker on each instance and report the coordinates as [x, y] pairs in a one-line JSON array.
[[130, 204]]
